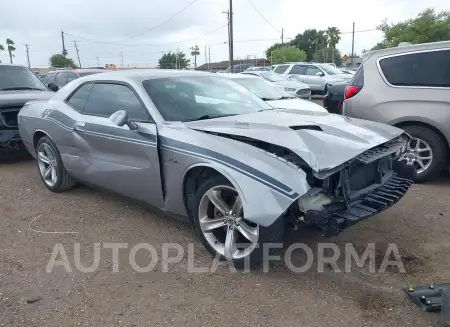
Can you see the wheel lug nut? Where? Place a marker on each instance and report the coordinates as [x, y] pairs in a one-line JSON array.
[[226, 213], [231, 227], [234, 215], [224, 221]]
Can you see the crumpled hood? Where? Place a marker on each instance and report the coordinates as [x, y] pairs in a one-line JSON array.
[[321, 139], [298, 104], [20, 97]]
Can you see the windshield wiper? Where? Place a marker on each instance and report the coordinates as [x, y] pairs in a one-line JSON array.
[[210, 116], [20, 88], [285, 98]]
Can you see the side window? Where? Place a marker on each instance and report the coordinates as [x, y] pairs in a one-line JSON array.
[[312, 70], [79, 98], [298, 70], [49, 78], [430, 69], [281, 69], [64, 78], [106, 99]]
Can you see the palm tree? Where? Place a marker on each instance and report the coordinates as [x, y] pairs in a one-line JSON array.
[[11, 48], [334, 37]]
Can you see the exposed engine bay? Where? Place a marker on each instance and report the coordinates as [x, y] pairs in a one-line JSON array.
[[355, 190]]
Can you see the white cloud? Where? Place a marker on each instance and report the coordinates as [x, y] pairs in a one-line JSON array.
[[29, 21]]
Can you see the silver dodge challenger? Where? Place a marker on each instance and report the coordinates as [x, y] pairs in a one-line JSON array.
[[203, 148]]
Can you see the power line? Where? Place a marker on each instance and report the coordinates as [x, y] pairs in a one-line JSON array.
[[267, 21]]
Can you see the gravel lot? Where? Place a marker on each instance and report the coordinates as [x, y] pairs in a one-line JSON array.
[[419, 225]]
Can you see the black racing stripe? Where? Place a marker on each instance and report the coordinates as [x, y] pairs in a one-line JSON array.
[[224, 158], [114, 131]]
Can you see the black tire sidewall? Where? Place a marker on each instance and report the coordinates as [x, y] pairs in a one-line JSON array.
[[59, 165], [438, 149], [269, 234]]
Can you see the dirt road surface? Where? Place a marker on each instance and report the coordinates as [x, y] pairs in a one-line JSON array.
[[419, 225]]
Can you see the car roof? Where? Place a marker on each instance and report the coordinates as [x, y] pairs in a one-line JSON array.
[[407, 48]]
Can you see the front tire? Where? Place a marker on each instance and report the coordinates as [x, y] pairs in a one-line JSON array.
[[426, 151], [219, 221], [50, 166]]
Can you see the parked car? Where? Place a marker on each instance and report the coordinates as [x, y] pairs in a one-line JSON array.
[[408, 87], [238, 68], [347, 71], [258, 69], [272, 94], [295, 89], [56, 79], [317, 76], [18, 85], [334, 98], [202, 148]]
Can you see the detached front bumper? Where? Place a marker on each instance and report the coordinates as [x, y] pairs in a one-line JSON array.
[[338, 216], [10, 139]]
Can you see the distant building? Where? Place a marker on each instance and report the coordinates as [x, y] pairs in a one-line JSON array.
[[223, 65]]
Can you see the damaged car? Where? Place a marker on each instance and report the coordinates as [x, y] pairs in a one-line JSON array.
[[18, 85], [204, 149]]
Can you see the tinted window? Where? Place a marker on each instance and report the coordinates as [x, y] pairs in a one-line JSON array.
[[418, 69], [106, 99], [312, 71], [281, 69], [64, 78], [298, 70], [79, 98], [358, 78]]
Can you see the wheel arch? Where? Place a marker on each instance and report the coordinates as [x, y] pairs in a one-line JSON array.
[[194, 175]]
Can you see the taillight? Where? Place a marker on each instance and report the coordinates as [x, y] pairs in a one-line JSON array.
[[350, 91]]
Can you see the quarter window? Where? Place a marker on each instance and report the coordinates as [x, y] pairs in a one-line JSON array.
[[430, 69], [79, 99], [106, 99]]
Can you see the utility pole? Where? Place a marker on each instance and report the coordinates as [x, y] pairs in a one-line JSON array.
[[229, 40], [28, 54], [78, 55], [231, 35], [121, 59], [206, 56], [353, 44], [282, 36], [98, 62], [209, 55], [64, 51]]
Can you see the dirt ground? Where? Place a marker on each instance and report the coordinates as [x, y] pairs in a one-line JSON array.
[[419, 225]]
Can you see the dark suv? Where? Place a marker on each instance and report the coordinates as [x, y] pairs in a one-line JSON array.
[[18, 85], [56, 79]]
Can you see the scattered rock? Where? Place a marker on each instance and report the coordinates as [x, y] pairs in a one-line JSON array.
[[118, 313], [34, 299]]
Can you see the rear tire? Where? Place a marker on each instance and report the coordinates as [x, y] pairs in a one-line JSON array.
[[438, 152], [50, 167], [215, 239]]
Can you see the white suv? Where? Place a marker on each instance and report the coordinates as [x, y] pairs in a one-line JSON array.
[[315, 75]]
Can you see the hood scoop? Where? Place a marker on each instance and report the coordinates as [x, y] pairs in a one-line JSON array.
[[306, 127]]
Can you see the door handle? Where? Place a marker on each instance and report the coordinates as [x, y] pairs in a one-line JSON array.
[[80, 124]]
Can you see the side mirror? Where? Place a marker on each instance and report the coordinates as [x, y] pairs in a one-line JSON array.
[[53, 87], [320, 74], [121, 118]]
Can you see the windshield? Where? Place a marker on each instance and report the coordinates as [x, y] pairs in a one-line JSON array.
[[17, 77], [189, 98], [330, 69], [273, 77], [262, 89]]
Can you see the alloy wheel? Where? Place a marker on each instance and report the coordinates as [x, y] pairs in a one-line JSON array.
[[47, 164], [221, 219], [419, 154]]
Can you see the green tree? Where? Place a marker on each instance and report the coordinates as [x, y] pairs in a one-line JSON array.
[[287, 53], [58, 61], [427, 26], [328, 55], [310, 41], [11, 48], [334, 37], [170, 61]]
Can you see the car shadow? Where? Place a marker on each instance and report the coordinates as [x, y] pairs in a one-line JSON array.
[[14, 157]]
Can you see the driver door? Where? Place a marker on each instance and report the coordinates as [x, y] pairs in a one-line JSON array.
[[114, 157], [317, 83]]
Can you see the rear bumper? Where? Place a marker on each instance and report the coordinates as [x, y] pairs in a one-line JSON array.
[[339, 216]]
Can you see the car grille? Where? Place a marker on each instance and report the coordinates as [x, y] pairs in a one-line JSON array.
[[303, 92], [374, 202], [382, 150]]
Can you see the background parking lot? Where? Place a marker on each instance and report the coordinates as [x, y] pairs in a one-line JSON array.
[[419, 225]]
